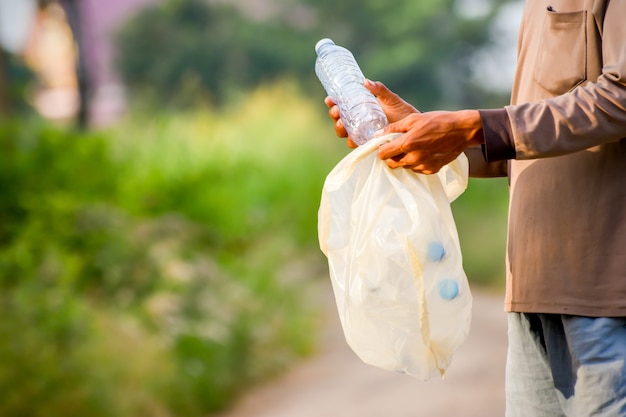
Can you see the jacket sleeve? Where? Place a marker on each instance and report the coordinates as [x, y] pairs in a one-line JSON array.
[[489, 160], [589, 115], [480, 168]]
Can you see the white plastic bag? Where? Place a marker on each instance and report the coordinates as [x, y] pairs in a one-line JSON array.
[[395, 261]]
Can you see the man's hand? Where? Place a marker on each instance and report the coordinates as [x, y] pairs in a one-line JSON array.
[[431, 140], [394, 107]]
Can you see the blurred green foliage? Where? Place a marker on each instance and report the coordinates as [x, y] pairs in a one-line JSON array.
[[420, 49], [179, 53], [163, 266], [480, 214], [15, 80]]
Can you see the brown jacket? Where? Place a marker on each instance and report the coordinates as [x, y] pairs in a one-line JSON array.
[[564, 135]]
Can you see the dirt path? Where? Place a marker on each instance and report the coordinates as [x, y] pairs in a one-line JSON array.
[[335, 383]]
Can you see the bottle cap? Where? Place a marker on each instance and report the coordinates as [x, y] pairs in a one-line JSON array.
[[322, 42], [448, 289]]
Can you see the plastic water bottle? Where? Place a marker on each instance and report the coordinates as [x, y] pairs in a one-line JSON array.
[[343, 80]]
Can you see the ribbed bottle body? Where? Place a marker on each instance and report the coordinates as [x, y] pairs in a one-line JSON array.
[[343, 80]]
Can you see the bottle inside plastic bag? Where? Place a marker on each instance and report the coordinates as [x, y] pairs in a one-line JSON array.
[[395, 261]]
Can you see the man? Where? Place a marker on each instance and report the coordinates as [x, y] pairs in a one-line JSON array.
[[561, 143]]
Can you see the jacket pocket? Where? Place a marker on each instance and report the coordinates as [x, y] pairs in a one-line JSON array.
[[562, 55]]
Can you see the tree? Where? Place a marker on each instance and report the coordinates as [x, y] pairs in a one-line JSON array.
[[4, 94], [192, 48], [184, 51], [74, 20], [421, 49]]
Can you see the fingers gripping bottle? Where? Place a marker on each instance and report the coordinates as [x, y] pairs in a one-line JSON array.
[[343, 80]]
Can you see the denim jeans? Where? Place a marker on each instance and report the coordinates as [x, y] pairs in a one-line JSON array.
[[565, 366]]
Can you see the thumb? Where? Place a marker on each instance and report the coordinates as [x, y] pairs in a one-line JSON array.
[[380, 90], [384, 95], [393, 105], [396, 127]]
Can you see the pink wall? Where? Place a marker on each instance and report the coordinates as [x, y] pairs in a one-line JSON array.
[[100, 20]]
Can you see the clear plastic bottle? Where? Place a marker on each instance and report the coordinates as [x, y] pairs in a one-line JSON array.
[[343, 80]]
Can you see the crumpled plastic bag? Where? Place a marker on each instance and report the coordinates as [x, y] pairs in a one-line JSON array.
[[395, 262]]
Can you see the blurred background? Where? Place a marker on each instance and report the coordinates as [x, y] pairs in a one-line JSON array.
[[161, 164]]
